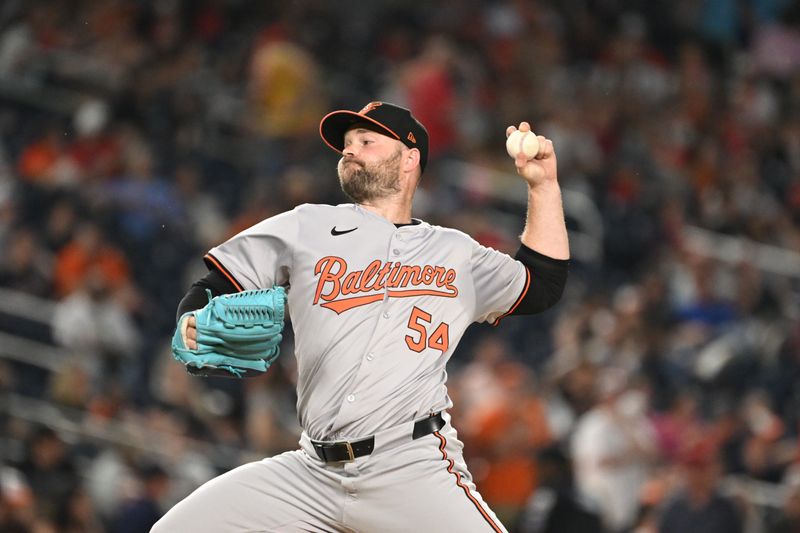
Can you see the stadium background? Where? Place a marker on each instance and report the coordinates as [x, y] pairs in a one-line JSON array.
[[135, 134]]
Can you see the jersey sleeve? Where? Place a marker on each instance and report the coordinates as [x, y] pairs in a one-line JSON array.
[[260, 256], [501, 283]]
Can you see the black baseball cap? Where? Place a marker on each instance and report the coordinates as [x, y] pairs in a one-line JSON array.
[[389, 119]]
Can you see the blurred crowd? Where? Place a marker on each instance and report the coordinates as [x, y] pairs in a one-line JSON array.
[[136, 134]]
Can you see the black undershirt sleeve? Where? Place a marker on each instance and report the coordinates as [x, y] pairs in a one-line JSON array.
[[196, 297], [548, 278]]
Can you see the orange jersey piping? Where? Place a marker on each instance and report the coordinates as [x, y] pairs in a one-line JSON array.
[[224, 271], [450, 464], [519, 300]]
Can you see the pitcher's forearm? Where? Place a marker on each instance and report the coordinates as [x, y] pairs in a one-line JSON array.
[[545, 229]]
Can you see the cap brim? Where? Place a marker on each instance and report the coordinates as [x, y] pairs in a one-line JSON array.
[[334, 125]]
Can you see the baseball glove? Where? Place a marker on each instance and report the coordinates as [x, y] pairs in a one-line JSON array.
[[238, 335]]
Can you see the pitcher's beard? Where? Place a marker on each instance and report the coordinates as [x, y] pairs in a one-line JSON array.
[[363, 183]]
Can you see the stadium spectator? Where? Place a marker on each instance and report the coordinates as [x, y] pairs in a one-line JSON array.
[[699, 506]]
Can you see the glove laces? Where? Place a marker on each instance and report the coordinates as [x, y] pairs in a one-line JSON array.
[[239, 308]]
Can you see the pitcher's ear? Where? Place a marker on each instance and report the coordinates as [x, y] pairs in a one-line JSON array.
[[411, 159]]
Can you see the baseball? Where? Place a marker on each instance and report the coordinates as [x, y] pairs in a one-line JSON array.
[[522, 141]]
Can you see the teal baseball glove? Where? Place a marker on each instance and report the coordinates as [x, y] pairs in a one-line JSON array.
[[238, 335]]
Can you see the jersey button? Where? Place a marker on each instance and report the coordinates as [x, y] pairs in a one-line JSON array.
[[396, 251], [370, 356], [386, 314], [351, 398]]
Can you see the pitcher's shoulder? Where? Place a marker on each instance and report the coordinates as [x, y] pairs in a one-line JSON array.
[[450, 233]]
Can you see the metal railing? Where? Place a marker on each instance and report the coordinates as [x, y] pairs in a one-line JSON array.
[[75, 425], [26, 306], [586, 239], [734, 250]]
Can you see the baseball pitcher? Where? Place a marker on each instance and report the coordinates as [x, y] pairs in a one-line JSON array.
[[378, 302]]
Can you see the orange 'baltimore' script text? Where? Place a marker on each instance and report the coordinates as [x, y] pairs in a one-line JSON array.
[[336, 285]]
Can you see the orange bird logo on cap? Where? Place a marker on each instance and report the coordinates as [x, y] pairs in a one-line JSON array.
[[369, 107]]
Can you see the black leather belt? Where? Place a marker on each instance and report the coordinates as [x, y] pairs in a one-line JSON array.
[[332, 452]]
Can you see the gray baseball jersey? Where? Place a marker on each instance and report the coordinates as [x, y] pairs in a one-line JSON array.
[[377, 310]]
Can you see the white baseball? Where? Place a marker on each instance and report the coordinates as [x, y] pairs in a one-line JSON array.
[[522, 141]]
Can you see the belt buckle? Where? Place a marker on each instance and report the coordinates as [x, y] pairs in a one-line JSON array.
[[350, 454]]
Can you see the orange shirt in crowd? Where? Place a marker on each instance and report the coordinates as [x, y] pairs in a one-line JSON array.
[[508, 438], [37, 160], [74, 262]]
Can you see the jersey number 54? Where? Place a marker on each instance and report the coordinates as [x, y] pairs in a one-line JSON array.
[[419, 322]]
